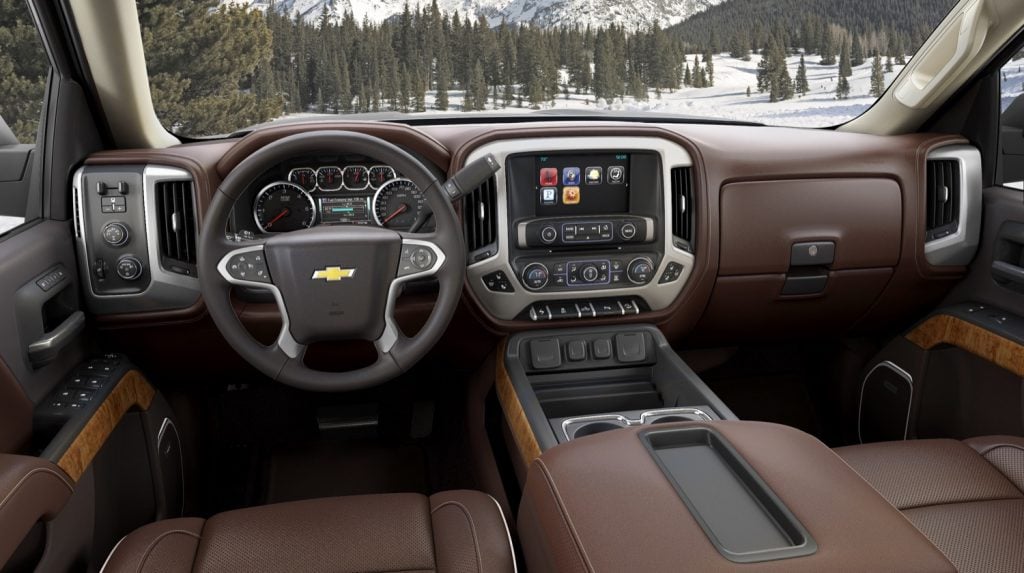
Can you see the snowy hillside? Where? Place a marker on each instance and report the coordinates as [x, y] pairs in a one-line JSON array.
[[545, 13]]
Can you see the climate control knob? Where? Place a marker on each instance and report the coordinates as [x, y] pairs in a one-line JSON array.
[[535, 276], [589, 273], [129, 268], [640, 270], [115, 234]]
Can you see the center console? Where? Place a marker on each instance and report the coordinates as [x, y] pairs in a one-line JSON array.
[[586, 230]]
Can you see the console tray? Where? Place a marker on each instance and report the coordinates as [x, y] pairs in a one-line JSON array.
[[743, 518]]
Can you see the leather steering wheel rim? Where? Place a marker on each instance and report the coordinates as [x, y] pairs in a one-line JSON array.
[[283, 360]]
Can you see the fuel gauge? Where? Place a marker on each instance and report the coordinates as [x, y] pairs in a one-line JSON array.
[[329, 178], [356, 178], [304, 177]]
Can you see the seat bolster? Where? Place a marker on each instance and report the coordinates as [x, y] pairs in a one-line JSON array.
[[162, 547], [470, 534], [1006, 453]]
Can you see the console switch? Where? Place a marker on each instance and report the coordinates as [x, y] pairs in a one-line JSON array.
[[498, 282], [545, 353], [630, 347], [576, 350]]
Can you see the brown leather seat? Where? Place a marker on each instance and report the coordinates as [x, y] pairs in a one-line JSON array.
[[458, 531], [966, 497]]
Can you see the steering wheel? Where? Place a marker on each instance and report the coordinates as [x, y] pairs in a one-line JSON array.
[[331, 282]]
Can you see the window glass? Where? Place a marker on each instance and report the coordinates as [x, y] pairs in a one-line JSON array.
[[23, 72], [1012, 121], [218, 66]]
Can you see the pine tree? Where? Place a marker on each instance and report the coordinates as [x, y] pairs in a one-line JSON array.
[[842, 88], [845, 68], [857, 54], [877, 77], [828, 47], [709, 65], [748, 91], [478, 89], [802, 86], [888, 64]]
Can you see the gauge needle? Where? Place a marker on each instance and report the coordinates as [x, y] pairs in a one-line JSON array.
[[397, 212], [283, 213]]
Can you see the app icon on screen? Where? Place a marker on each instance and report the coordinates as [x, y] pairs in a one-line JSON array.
[[549, 176], [571, 176], [571, 195], [593, 175], [549, 195], [616, 174]]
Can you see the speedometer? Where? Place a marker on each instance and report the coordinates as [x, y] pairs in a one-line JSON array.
[[281, 207], [397, 204]]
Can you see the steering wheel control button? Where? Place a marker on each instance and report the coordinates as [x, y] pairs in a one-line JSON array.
[[250, 266], [640, 270], [115, 234], [628, 231], [548, 235], [422, 258], [671, 273], [129, 268], [498, 282], [545, 353], [535, 276], [630, 347]]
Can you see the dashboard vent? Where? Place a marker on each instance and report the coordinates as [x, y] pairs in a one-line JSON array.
[[480, 221], [943, 189], [683, 207], [176, 217]]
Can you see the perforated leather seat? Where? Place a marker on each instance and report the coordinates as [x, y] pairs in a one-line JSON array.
[[966, 497], [459, 531]]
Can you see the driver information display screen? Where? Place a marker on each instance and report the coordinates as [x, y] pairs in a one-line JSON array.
[[592, 184]]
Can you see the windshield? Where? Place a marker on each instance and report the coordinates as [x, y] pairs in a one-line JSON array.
[[218, 66]]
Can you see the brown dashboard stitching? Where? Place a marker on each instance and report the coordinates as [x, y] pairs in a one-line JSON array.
[[131, 391], [946, 329]]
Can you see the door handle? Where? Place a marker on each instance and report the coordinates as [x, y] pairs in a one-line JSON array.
[[46, 349]]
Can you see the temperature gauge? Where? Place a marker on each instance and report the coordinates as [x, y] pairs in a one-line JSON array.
[[380, 174], [329, 178], [356, 177], [304, 177]]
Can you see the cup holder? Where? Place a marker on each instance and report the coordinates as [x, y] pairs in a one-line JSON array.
[[589, 425]]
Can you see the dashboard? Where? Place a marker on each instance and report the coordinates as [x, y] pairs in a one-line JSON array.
[[331, 190]]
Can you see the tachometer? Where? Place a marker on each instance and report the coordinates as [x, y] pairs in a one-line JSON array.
[[397, 204], [356, 177], [380, 174], [281, 207], [304, 177], [329, 178]]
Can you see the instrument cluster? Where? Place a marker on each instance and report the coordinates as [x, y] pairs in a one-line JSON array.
[[335, 192]]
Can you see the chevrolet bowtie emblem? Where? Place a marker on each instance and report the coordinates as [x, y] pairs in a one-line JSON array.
[[332, 274]]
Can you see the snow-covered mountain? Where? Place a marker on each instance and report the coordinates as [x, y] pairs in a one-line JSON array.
[[546, 13]]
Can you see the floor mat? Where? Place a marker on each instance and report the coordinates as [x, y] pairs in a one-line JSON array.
[[333, 468]]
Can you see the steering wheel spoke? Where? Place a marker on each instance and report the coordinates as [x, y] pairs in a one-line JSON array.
[[421, 258]]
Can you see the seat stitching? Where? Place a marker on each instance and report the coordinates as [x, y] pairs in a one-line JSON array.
[[155, 542], [966, 502], [550, 481], [472, 528], [24, 479], [993, 447]]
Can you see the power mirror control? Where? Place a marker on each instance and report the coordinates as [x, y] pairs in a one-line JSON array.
[[115, 234]]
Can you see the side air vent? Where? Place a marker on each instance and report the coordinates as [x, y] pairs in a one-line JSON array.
[[943, 191], [176, 217], [683, 218], [480, 221]]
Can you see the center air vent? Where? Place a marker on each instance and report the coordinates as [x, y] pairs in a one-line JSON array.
[[176, 217], [480, 221], [943, 205], [683, 218]]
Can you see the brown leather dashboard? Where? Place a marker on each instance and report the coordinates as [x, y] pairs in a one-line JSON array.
[[866, 190]]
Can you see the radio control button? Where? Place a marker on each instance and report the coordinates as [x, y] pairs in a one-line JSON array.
[[535, 276], [628, 231], [640, 270], [548, 235]]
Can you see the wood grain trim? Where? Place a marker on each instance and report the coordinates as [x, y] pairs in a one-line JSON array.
[[946, 329], [131, 391], [522, 433]]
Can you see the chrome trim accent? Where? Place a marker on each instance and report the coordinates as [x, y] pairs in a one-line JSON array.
[[960, 247], [899, 372], [663, 412], [389, 337], [657, 295], [346, 168], [341, 183], [167, 423], [394, 175], [285, 341], [316, 185], [376, 194], [262, 192], [508, 534]]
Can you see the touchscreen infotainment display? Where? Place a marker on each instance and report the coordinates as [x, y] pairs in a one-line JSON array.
[[591, 184]]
